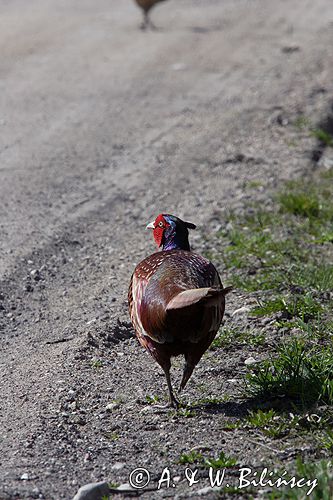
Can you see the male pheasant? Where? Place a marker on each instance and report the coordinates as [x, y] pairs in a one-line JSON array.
[[176, 299], [146, 5]]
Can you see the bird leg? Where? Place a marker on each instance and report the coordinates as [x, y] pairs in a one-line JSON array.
[[173, 401], [145, 22], [151, 24], [188, 370]]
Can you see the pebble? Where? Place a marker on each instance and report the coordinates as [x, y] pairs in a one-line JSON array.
[[241, 310], [111, 406], [118, 466], [206, 491], [93, 491], [24, 477], [326, 161], [251, 361], [125, 487], [35, 274]]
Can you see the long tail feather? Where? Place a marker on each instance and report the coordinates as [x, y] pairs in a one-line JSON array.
[[189, 297]]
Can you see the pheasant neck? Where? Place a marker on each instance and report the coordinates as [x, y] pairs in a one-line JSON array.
[[176, 243]]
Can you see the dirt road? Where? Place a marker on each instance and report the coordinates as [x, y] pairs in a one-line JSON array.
[[102, 128]]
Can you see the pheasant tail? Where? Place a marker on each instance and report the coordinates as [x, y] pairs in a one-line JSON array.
[[210, 296]]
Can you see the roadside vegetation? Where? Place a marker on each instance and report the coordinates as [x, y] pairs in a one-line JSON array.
[[282, 257]]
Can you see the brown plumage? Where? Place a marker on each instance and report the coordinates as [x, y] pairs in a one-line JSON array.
[[146, 6], [176, 300]]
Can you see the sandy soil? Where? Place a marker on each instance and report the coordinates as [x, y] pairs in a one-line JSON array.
[[102, 128]]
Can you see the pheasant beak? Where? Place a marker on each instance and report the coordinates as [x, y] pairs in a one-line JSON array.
[[150, 225]]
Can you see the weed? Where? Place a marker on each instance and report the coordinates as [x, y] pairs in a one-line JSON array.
[[254, 184], [304, 307], [323, 136], [269, 422], [112, 436], [327, 440], [302, 122], [185, 412], [302, 375], [321, 472], [193, 457], [220, 462], [96, 363], [213, 401], [152, 399], [261, 418], [236, 335], [305, 204]]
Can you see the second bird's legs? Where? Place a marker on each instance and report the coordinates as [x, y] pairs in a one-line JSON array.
[[146, 23]]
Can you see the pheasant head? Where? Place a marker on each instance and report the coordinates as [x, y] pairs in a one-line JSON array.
[[170, 232]]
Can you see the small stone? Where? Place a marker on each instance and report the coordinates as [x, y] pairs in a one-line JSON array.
[[35, 274], [118, 466], [124, 487], [326, 161], [93, 491], [79, 420], [241, 310], [24, 477], [91, 321], [251, 361], [206, 491], [111, 406]]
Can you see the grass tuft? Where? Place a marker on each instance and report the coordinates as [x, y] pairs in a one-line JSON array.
[[303, 375], [305, 204], [219, 462], [321, 471]]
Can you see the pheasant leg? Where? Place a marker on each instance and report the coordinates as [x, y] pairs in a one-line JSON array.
[[173, 401], [188, 370]]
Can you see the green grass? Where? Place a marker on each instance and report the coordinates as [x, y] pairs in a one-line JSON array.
[[213, 401], [96, 363], [219, 462], [323, 136], [193, 457], [152, 399], [302, 203], [282, 258], [301, 374], [304, 307], [285, 255], [185, 412], [270, 423], [322, 471], [237, 335], [327, 440]]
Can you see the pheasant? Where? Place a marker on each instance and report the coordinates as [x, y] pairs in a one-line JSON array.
[[176, 299], [146, 5]]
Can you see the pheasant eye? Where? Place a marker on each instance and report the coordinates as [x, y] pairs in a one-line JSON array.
[[160, 224]]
